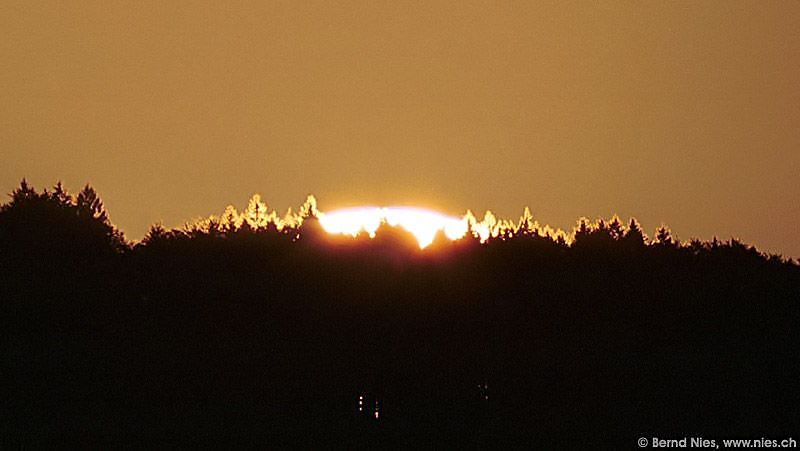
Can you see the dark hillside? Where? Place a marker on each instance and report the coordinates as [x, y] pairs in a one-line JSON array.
[[221, 335]]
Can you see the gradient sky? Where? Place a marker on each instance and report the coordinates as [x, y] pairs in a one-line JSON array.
[[686, 113]]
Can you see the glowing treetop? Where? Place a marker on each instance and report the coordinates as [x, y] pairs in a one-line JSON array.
[[422, 223]]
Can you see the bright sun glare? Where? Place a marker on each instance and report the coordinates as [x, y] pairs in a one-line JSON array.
[[422, 223]]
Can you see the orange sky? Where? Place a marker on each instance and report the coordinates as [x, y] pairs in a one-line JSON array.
[[680, 112]]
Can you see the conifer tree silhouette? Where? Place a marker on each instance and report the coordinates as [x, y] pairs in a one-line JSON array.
[[633, 235], [615, 228], [664, 236]]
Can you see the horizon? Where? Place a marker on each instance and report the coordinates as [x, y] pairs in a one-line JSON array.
[[679, 112], [423, 224]]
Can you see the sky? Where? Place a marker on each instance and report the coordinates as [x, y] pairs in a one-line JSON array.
[[680, 112]]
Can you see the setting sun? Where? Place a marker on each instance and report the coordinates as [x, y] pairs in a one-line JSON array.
[[422, 223]]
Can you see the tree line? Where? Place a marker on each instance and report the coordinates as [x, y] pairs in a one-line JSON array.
[[267, 332]]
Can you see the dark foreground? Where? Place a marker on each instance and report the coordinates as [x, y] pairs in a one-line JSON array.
[[258, 337]]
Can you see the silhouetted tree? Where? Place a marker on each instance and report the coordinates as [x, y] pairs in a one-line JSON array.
[[33, 222], [60, 195], [227, 330], [527, 225], [582, 231], [663, 237], [634, 236], [615, 228]]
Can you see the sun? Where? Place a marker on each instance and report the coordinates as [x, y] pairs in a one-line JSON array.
[[422, 223]]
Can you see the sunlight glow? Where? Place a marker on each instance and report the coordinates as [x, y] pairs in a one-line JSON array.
[[423, 224]]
